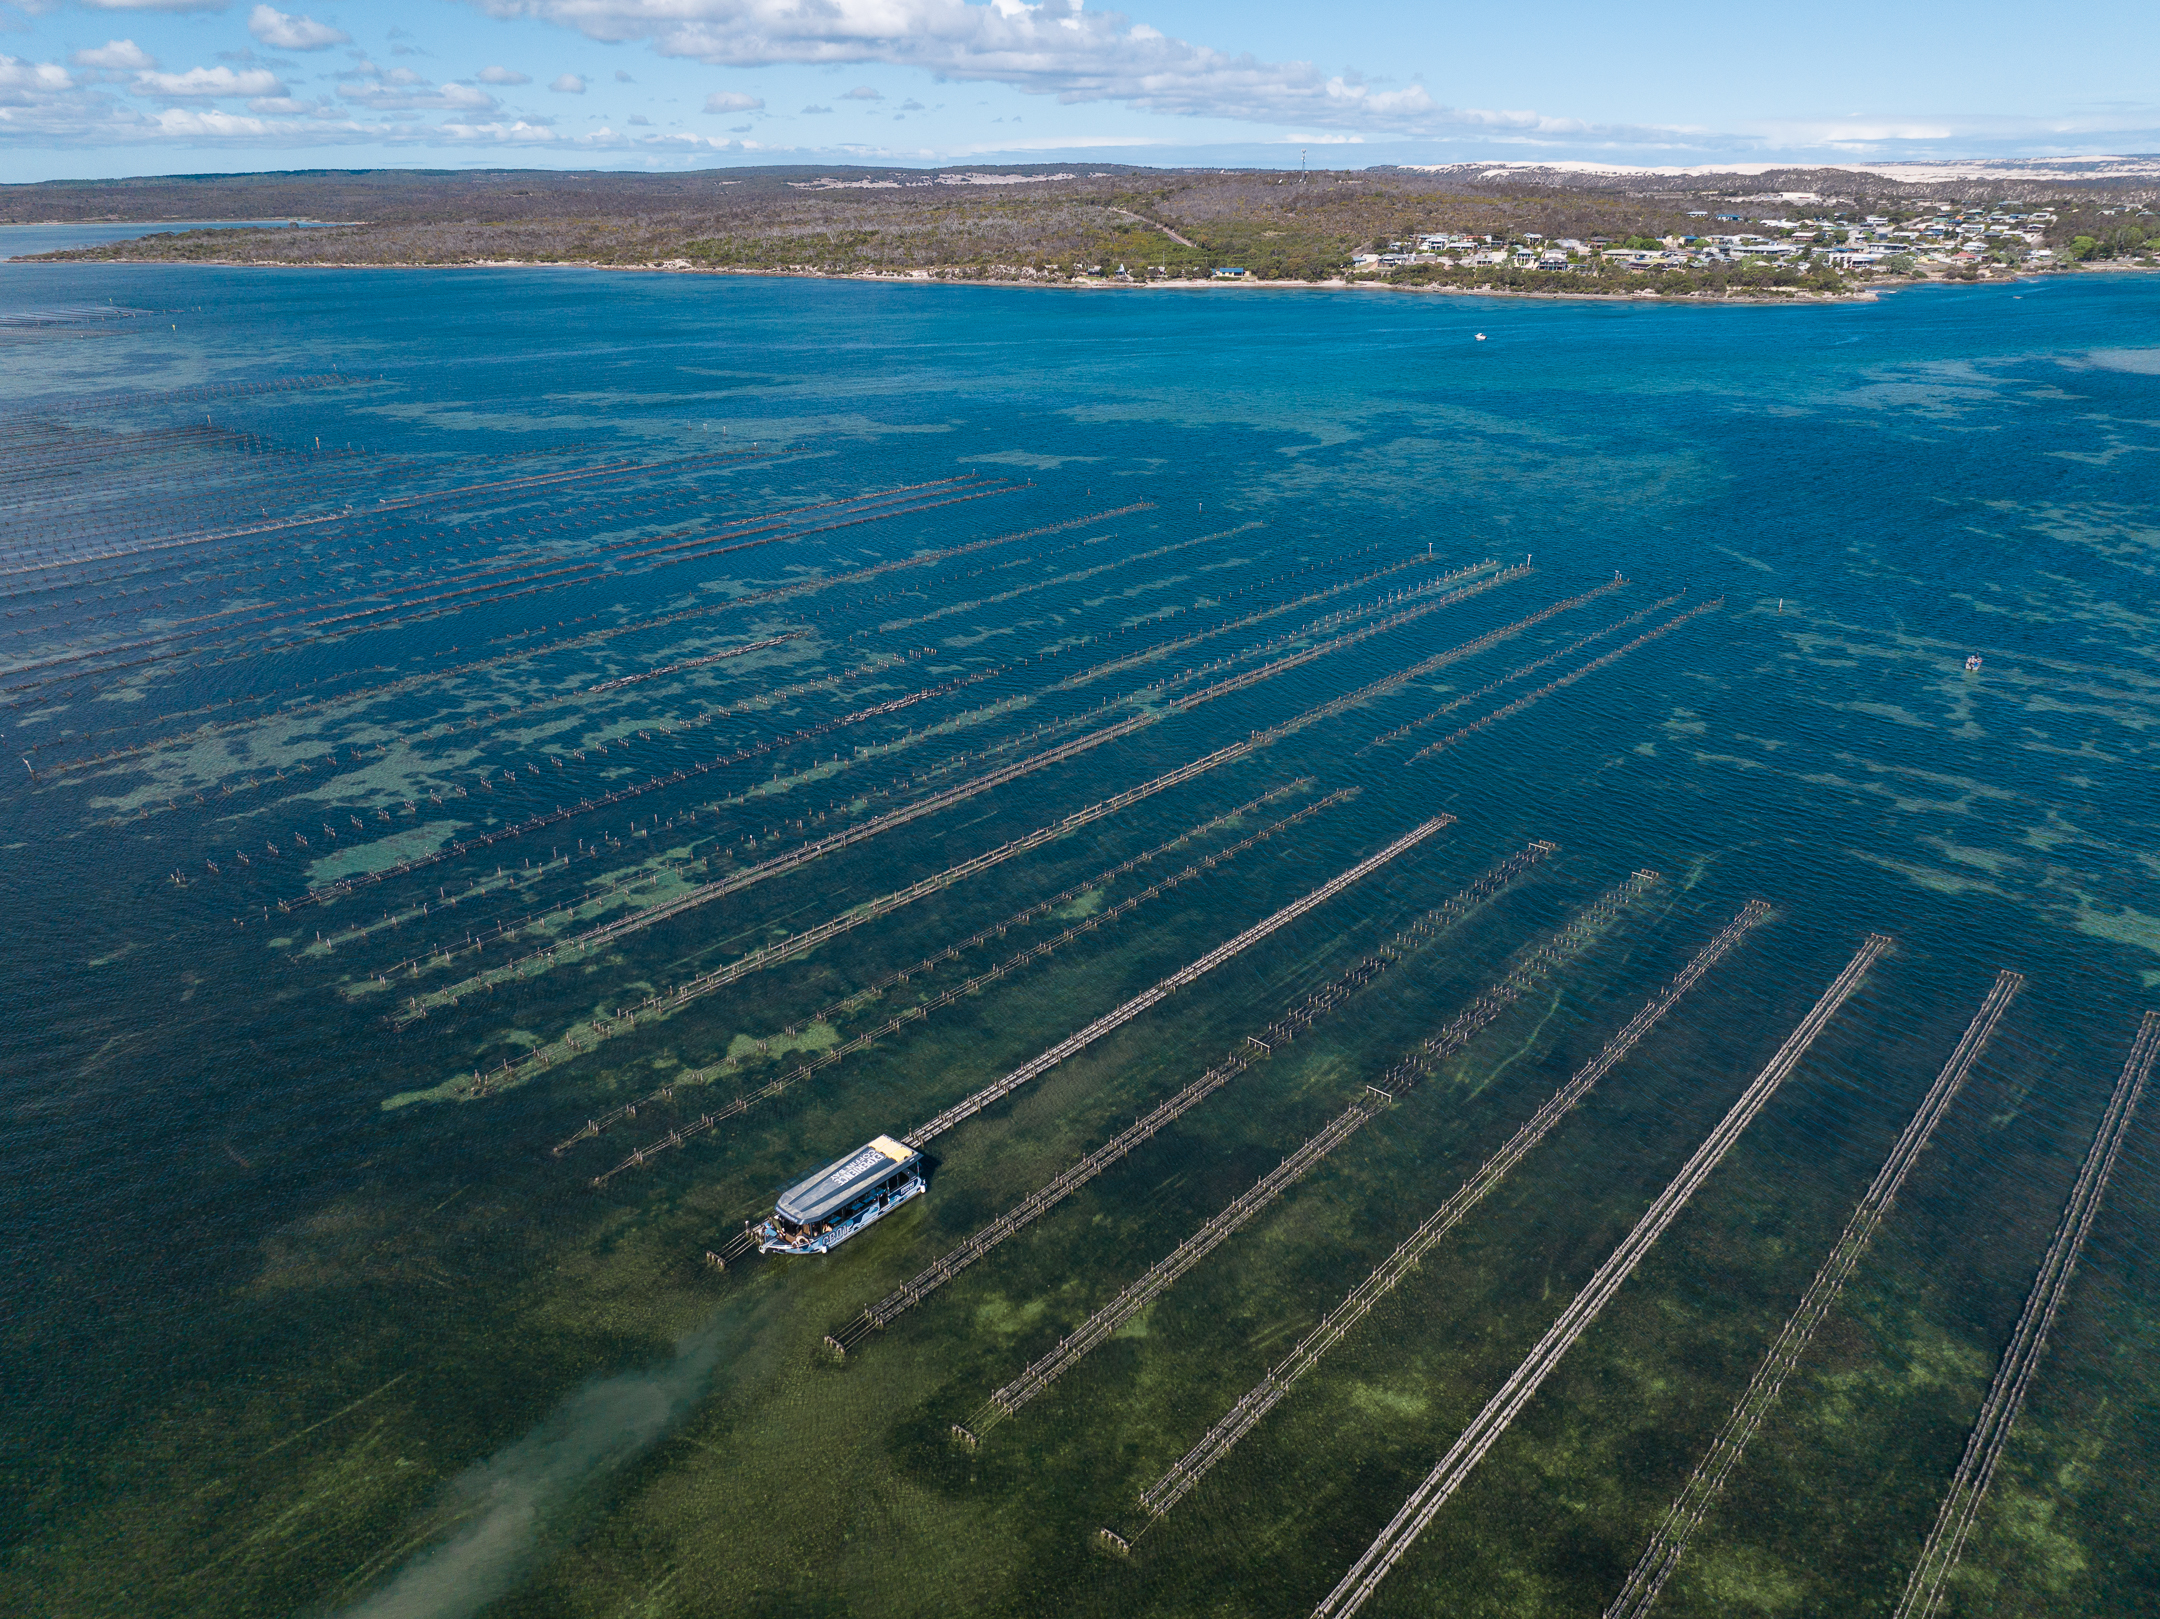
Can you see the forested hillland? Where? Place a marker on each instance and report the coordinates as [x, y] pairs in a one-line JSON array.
[[1049, 223]]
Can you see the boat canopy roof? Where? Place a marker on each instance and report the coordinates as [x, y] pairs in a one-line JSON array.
[[845, 1179]]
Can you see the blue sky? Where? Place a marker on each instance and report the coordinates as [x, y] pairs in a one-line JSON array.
[[107, 87]]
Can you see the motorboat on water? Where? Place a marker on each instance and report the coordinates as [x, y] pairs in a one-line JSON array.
[[816, 1215]]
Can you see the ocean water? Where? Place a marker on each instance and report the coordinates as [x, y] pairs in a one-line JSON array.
[[321, 585]]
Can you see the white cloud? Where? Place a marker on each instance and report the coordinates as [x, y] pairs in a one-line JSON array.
[[205, 83], [22, 81], [623, 78], [365, 69], [862, 92], [519, 133], [1054, 48], [1058, 48], [44, 105], [154, 5], [196, 122], [396, 94], [286, 32], [122, 54]]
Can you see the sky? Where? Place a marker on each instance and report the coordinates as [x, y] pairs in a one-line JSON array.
[[92, 88]]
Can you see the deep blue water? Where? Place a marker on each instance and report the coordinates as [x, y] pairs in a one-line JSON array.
[[273, 1346]]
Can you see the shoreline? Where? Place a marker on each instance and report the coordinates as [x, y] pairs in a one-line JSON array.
[[932, 278]]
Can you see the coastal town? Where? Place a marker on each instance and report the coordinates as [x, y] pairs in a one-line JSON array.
[[1725, 250], [1943, 241]]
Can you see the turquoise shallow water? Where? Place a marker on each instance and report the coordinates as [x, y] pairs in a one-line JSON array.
[[394, 562]]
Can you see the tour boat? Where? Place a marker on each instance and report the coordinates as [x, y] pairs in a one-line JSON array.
[[816, 1215]]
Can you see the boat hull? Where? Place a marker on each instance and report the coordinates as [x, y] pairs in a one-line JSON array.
[[772, 1240]]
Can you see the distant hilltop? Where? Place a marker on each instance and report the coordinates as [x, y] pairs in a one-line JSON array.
[[1798, 182]]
